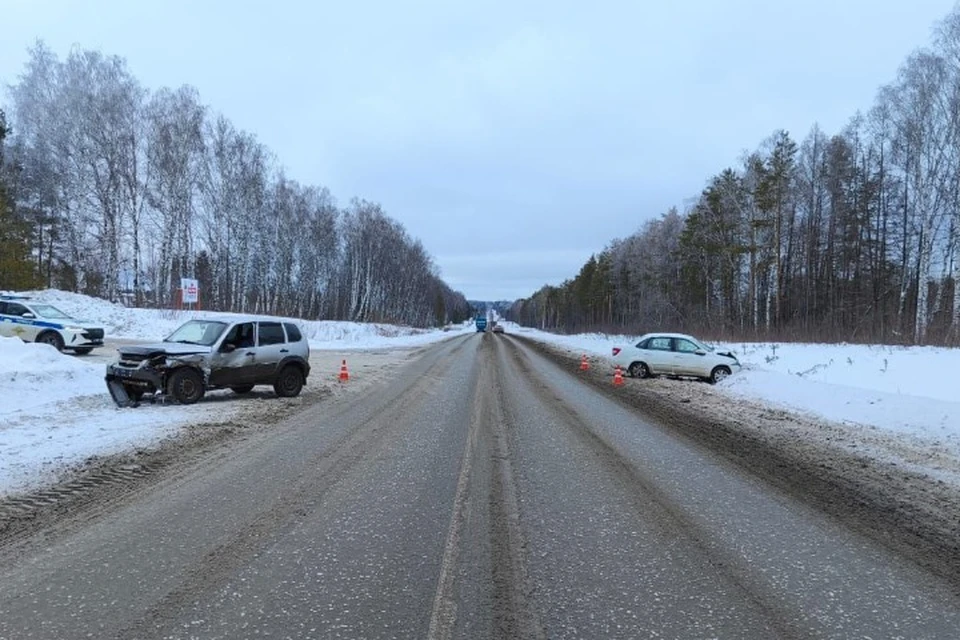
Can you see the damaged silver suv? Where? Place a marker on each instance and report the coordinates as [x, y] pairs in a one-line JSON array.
[[236, 353]]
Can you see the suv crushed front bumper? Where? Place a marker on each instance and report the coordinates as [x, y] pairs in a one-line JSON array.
[[122, 381]]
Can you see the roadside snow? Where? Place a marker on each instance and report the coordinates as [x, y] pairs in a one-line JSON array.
[[904, 391], [907, 390], [55, 410], [43, 370], [154, 324]]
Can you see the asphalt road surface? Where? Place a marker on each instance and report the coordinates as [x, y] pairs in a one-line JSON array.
[[483, 493], [108, 352]]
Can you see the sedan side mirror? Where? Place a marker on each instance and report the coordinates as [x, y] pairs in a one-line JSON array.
[[28, 315], [700, 352]]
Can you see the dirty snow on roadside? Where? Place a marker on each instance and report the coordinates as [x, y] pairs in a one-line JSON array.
[[55, 411], [905, 392]]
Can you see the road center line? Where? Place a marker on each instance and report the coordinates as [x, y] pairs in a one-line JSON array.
[[444, 614]]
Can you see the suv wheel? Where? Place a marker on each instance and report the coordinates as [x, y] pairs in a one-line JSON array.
[[289, 382], [134, 393], [185, 385]]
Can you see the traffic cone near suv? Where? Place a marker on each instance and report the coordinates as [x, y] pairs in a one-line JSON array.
[[344, 375], [584, 365]]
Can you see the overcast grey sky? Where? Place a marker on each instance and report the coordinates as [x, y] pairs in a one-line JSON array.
[[513, 138]]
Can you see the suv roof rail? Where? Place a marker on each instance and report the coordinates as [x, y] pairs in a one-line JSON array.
[[4, 296]]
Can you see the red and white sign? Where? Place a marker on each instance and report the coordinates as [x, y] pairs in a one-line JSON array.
[[190, 290]]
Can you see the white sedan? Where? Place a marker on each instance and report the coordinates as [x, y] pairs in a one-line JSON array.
[[675, 354]]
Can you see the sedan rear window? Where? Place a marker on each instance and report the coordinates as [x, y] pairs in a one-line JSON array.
[[660, 344]]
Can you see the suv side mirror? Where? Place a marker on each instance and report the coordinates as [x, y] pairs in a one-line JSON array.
[[228, 347], [700, 352]]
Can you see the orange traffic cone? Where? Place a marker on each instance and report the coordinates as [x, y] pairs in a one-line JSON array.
[[617, 377], [344, 376], [583, 363]]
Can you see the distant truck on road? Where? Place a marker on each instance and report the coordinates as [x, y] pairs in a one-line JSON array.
[[481, 324]]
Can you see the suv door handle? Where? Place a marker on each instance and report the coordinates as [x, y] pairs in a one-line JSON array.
[[284, 351], [250, 353]]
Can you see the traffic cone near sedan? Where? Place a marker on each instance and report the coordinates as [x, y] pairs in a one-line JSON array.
[[618, 377]]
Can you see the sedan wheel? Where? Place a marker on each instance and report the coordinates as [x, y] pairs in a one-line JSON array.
[[638, 370], [718, 374], [53, 339]]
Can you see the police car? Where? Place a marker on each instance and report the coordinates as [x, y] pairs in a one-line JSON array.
[[33, 321]]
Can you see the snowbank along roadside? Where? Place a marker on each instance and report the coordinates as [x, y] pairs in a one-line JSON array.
[[878, 391], [55, 412]]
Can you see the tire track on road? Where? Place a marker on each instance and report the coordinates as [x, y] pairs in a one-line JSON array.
[[897, 508], [652, 505], [520, 618], [321, 474], [486, 484]]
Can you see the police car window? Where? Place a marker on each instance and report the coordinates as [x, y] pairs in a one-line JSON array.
[[14, 309], [270, 333], [50, 311]]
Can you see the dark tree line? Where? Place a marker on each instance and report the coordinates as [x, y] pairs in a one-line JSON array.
[[112, 190], [16, 268], [853, 236]]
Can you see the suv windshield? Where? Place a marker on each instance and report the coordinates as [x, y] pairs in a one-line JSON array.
[[204, 332], [50, 311]]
